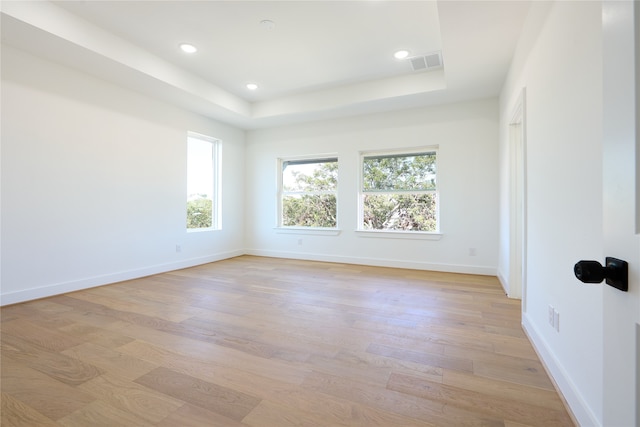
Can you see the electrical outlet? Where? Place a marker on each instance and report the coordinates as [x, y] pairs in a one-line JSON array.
[[556, 320], [299, 242], [551, 316], [473, 252], [178, 248]]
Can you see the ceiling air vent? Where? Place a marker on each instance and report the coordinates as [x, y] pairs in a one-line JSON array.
[[427, 62], [418, 63], [434, 60]]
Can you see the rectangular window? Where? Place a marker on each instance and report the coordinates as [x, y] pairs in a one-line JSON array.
[[398, 192], [203, 182], [308, 193]]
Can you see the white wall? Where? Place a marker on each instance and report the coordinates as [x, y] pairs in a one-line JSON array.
[[562, 71], [467, 135], [94, 182]]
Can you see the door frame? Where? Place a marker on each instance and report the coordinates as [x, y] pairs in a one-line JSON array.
[[518, 201]]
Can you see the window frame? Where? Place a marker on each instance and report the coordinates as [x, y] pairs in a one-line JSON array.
[[281, 193], [403, 234], [216, 196]]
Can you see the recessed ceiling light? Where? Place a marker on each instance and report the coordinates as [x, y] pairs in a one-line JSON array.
[[401, 54], [252, 86], [188, 48]]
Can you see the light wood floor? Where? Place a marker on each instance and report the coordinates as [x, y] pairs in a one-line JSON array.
[[268, 342]]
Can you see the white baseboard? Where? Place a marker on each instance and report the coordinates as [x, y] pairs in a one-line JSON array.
[[91, 282], [577, 404], [503, 281], [377, 262]]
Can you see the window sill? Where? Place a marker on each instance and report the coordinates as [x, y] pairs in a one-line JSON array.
[[308, 231], [412, 235], [202, 230]]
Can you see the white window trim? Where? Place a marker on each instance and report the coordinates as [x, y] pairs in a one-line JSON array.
[[216, 209], [328, 231], [397, 234], [310, 231]]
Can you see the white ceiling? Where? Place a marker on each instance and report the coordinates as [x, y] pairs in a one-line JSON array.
[[322, 59]]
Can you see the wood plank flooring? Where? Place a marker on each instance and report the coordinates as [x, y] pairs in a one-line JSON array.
[[267, 342]]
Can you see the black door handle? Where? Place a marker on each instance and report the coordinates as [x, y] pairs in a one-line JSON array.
[[616, 273]]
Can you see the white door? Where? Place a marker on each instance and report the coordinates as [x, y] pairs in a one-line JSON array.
[[621, 311]]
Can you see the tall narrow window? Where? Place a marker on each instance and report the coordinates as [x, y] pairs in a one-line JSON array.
[[308, 193], [203, 182], [398, 192]]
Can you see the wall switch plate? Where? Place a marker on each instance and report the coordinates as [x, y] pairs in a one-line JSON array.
[[556, 320], [551, 316]]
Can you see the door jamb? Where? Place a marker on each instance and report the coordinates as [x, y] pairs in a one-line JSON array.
[[518, 205]]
